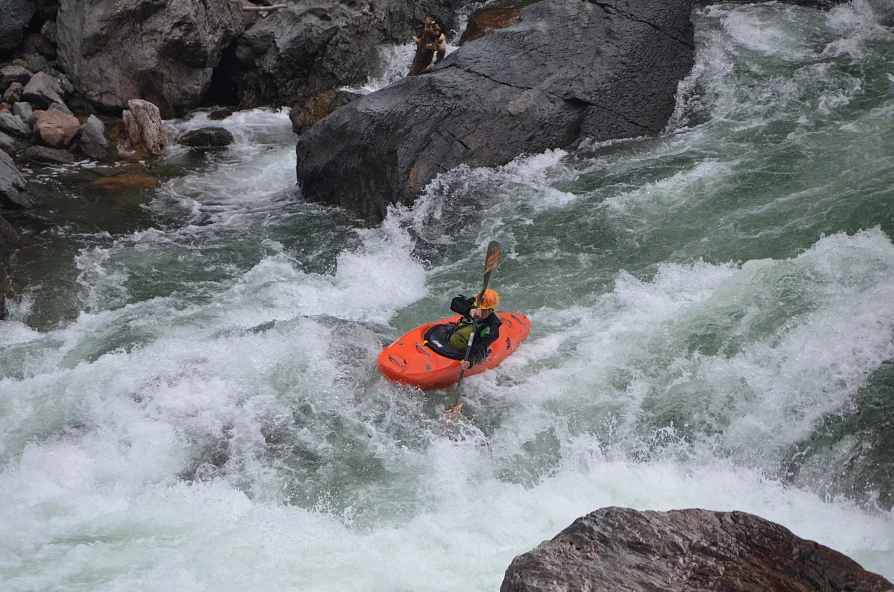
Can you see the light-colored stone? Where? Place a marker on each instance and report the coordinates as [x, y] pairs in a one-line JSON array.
[[142, 124]]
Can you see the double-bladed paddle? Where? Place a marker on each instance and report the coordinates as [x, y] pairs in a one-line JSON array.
[[492, 257]]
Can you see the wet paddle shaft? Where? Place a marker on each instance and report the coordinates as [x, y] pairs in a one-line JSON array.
[[492, 257]]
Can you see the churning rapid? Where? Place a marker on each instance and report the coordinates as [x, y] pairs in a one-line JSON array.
[[189, 398]]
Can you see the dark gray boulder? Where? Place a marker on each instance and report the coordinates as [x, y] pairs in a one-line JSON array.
[[14, 191], [207, 137], [14, 17], [93, 140], [624, 550], [14, 126], [43, 89], [7, 145], [23, 111], [13, 73], [318, 46], [160, 51], [568, 69]]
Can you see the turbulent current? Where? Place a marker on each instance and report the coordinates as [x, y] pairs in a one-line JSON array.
[[188, 393]]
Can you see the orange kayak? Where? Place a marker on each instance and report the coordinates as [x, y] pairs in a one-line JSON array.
[[423, 358]]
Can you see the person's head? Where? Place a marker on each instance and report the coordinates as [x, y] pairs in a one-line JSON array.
[[488, 301]]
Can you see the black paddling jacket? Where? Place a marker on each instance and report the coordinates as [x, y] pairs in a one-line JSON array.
[[488, 330]]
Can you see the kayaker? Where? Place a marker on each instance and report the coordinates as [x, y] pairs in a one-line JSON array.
[[481, 316]]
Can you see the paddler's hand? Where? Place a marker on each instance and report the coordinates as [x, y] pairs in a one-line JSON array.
[[465, 364], [475, 313]]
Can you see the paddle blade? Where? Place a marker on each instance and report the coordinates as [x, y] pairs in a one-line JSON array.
[[491, 259], [453, 413]]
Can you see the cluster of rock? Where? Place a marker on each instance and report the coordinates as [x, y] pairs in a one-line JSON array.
[[624, 550]]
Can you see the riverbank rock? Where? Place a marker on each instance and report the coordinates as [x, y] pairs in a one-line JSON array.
[[568, 69], [143, 129], [309, 48], [624, 550], [207, 137], [14, 17], [160, 51], [7, 145], [93, 140], [43, 90], [14, 125], [14, 191], [55, 128], [492, 17], [13, 73]]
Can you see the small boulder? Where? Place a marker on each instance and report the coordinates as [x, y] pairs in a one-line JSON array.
[[43, 155], [23, 110], [316, 108], [14, 126], [7, 145], [221, 113], [93, 138], [56, 129], [38, 64], [207, 137], [43, 90], [14, 191], [13, 73], [143, 129], [13, 94]]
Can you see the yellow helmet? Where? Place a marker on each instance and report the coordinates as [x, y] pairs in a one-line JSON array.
[[490, 299]]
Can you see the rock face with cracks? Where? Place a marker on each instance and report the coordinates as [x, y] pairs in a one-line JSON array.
[[567, 69], [163, 51], [624, 550]]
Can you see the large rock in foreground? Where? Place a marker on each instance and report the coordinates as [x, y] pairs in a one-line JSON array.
[[624, 550], [157, 50], [567, 69]]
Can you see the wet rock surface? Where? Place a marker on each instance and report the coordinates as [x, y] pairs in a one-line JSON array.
[[207, 137], [568, 69], [624, 550], [14, 191]]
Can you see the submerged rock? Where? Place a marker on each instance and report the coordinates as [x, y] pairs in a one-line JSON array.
[[161, 51], [624, 550], [568, 69], [125, 182], [43, 155], [207, 137]]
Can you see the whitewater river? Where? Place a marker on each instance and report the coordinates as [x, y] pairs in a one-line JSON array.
[[189, 399]]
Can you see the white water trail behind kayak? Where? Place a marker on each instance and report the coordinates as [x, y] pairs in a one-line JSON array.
[[212, 417]]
